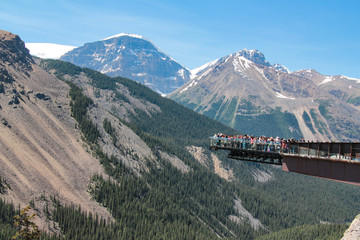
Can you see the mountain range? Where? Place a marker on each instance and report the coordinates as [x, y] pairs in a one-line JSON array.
[[246, 92], [106, 157], [242, 90]]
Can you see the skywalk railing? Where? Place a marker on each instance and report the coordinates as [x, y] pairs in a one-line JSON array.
[[329, 150]]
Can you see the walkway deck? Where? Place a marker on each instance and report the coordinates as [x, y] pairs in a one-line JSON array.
[[338, 161]]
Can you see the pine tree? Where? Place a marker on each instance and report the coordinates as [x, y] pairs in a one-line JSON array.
[[26, 229]]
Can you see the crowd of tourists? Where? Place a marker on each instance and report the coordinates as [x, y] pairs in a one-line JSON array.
[[262, 143]]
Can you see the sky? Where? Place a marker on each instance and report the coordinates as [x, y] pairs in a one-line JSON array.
[[319, 34]]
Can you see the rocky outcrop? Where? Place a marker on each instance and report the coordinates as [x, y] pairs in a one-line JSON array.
[[211, 161], [13, 52], [245, 215], [254, 56], [353, 232], [175, 162]]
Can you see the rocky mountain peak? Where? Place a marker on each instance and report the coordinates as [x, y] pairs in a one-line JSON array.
[[131, 56], [254, 56], [13, 53], [13, 49], [129, 41]]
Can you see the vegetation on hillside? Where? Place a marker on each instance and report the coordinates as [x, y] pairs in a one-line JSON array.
[[7, 212], [354, 100], [308, 122], [3, 185], [315, 232], [2, 89], [79, 104], [320, 126], [248, 118]]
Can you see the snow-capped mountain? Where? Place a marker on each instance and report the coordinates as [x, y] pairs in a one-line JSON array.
[[245, 91], [133, 57], [48, 50]]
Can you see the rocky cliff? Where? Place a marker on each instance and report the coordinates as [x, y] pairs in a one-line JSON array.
[[353, 232]]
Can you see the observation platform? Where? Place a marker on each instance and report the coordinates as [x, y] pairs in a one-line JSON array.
[[339, 161]]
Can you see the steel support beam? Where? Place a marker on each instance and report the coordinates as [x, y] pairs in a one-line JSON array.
[[338, 170]]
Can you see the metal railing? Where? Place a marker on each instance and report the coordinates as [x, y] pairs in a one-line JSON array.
[[342, 151]]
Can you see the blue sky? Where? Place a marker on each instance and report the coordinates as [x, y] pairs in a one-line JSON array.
[[319, 34]]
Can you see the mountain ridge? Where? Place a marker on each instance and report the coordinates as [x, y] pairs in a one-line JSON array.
[[221, 88]]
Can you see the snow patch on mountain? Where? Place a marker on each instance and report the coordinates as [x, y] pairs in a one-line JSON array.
[[195, 71], [279, 95], [193, 83], [181, 73], [124, 34], [48, 50], [139, 74], [327, 79], [261, 71], [241, 63], [281, 68], [205, 73], [349, 78]]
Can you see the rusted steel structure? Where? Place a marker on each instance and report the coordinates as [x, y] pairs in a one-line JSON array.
[[339, 161]]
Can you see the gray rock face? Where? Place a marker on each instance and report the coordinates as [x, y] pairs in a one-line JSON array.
[[254, 55], [281, 68], [12, 53], [353, 232], [132, 57]]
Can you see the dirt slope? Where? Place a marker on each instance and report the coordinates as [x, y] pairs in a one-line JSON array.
[[41, 151]]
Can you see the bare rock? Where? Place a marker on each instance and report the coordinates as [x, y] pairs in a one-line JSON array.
[[262, 176], [175, 161], [5, 123], [353, 232], [42, 96]]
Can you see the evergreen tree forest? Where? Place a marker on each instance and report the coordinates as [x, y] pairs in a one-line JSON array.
[[314, 232], [7, 212], [164, 203]]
